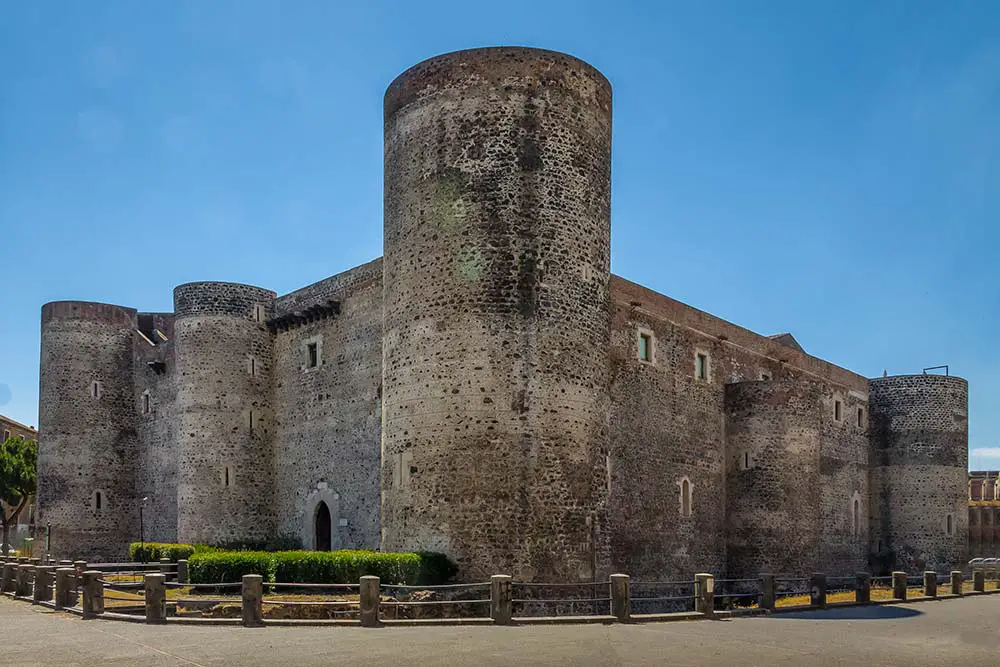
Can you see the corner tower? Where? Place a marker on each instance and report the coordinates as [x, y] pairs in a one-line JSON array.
[[920, 456], [223, 354], [497, 312], [87, 444]]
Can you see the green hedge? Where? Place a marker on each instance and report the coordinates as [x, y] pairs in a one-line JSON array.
[[320, 567], [148, 552]]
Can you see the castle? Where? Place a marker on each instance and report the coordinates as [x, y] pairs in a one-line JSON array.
[[488, 389]]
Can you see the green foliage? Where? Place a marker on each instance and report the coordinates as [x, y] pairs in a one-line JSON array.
[[326, 567], [18, 470], [148, 552], [280, 543], [18, 479]]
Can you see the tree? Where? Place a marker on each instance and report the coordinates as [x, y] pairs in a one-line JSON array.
[[18, 478]]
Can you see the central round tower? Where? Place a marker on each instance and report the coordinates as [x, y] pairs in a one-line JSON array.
[[497, 312]]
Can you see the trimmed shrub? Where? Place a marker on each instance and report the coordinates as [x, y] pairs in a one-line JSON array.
[[148, 552], [320, 567]]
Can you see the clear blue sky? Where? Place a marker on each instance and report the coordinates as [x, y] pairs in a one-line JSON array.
[[826, 168]]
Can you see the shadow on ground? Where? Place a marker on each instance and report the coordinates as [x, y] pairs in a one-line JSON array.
[[873, 613]]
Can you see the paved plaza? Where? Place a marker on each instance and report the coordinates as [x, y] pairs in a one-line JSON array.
[[947, 632]]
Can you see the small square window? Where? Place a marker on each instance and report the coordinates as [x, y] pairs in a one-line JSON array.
[[645, 347], [765, 376], [837, 408], [701, 366]]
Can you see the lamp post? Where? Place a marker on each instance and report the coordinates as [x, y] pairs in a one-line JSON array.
[[142, 533]]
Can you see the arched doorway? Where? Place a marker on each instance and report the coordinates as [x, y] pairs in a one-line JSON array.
[[322, 527]]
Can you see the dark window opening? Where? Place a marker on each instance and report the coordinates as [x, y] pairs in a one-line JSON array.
[[746, 460], [861, 417], [949, 528], [145, 404], [836, 410], [226, 476], [253, 366], [313, 354], [97, 500]]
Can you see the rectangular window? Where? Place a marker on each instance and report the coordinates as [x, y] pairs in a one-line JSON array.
[[145, 404], [6, 435], [861, 417], [836, 410], [645, 343], [312, 354], [701, 366]]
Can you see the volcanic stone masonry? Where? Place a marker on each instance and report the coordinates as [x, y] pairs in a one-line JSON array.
[[488, 389]]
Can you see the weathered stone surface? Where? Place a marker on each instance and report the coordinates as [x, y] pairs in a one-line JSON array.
[[496, 313], [479, 390], [920, 450]]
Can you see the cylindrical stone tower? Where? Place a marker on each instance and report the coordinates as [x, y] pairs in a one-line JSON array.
[[796, 478], [920, 459], [86, 430], [223, 356], [496, 312], [773, 435]]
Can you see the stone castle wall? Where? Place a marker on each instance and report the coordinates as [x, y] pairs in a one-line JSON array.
[[329, 418], [667, 425], [154, 395], [496, 269], [920, 458]]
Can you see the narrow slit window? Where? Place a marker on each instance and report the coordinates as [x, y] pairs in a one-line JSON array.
[[746, 460], [861, 417], [145, 404], [225, 476], [312, 355], [98, 500], [701, 366], [856, 520], [685, 497], [251, 421], [837, 407], [258, 313], [95, 389], [949, 525], [253, 367]]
